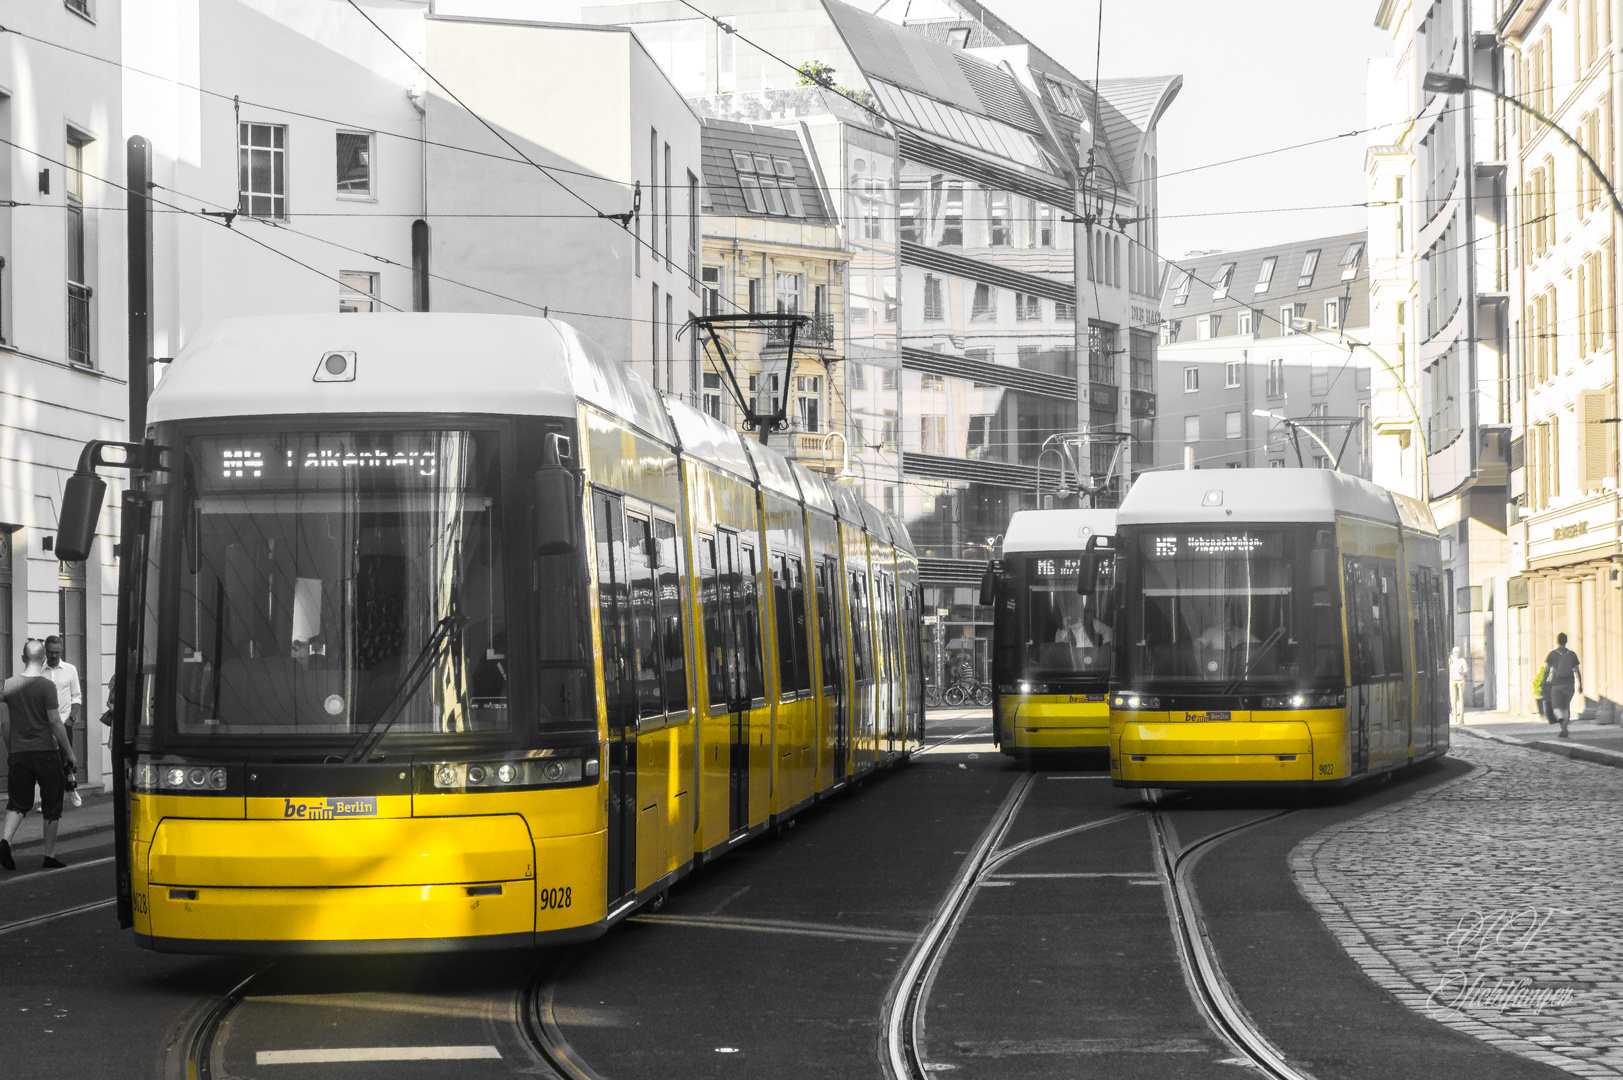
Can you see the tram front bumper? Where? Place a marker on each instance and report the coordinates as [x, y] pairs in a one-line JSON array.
[[1056, 722], [1147, 753], [385, 883]]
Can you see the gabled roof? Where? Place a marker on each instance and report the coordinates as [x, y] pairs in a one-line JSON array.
[[1127, 109], [776, 157], [895, 54]]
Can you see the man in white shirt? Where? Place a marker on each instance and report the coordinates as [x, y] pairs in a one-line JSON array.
[[70, 698]]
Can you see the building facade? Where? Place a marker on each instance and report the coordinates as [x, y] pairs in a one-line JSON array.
[[1276, 329], [1563, 60], [1441, 317], [1000, 215], [63, 357], [772, 244]]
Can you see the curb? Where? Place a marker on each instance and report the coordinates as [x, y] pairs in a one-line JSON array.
[[1574, 751]]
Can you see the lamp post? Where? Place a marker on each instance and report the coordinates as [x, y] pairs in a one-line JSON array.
[[1439, 82]]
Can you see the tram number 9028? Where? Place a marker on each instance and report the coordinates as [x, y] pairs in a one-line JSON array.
[[556, 898]]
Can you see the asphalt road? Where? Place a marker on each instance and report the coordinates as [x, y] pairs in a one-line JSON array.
[[778, 959]]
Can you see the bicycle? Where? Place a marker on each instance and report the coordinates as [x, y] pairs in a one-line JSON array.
[[958, 693]]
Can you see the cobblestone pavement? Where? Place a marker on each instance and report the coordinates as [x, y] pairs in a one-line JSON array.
[[1492, 903]]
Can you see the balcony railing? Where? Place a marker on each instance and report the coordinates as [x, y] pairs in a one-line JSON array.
[[819, 331], [78, 324]]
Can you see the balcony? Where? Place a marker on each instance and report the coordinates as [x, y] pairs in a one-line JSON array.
[[819, 331], [808, 448], [78, 324]]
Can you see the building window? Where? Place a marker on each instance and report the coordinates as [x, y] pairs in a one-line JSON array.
[[932, 434], [1027, 307], [710, 281], [890, 379], [952, 217], [1102, 354], [998, 212], [887, 287], [788, 289], [1220, 287], [859, 376], [1287, 316], [1191, 379], [1276, 378], [1332, 314], [888, 434], [934, 309], [1246, 320], [1231, 374], [983, 306], [809, 401], [1170, 330], [980, 434], [262, 170], [1351, 259], [653, 194], [1184, 282], [1191, 428], [357, 291], [1266, 277], [909, 213], [1203, 328], [355, 164], [78, 283], [670, 197], [81, 7], [1231, 425], [1045, 226], [1064, 312], [1310, 265], [1276, 463], [712, 393], [693, 226]]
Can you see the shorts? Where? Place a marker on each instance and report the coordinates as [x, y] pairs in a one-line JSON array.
[[1561, 695], [42, 767]]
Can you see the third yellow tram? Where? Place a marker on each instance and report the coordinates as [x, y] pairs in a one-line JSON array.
[[1274, 628]]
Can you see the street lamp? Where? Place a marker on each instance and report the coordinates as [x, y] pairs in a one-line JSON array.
[[1439, 82], [1329, 454]]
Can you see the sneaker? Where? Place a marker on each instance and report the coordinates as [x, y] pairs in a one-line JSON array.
[[75, 798], [5, 855], [53, 863]]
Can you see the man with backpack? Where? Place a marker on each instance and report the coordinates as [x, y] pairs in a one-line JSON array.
[[1561, 679]]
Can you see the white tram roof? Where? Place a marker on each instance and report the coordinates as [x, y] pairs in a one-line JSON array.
[[709, 440], [404, 363], [1221, 496], [813, 489], [1056, 530]]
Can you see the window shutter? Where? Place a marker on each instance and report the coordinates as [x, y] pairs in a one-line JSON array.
[[1594, 439]]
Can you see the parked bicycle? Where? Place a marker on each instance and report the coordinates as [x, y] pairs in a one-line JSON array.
[[960, 692]]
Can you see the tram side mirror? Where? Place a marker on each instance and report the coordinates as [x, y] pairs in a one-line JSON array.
[[81, 510], [989, 583], [556, 508], [1318, 568]]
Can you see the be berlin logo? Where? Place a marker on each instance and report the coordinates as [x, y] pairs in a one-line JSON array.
[[1504, 934]]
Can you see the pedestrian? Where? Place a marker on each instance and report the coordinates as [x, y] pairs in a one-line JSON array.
[[1458, 669], [1562, 679], [36, 745], [70, 700]]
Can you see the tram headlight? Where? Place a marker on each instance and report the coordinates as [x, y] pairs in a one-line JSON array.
[[508, 773], [153, 776], [1329, 699], [526, 772], [1135, 701], [447, 775]]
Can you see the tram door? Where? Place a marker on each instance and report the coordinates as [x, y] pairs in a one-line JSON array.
[[732, 655], [619, 692], [833, 670]]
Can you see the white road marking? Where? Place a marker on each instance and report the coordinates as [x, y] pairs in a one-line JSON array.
[[376, 1053], [1094, 776], [43, 874], [1102, 874], [779, 926]]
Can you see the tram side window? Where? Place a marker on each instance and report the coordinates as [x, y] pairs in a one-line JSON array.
[[912, 625], [826, 625], [788, 675], [612, 597], [749, 616], [644, 619], [861, 644], [1373, 628], [797, 610], [715, 602], [672, 640]]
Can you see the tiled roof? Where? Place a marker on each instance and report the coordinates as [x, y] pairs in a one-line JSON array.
[[1126, 109], [1282, 288], [896, 54], [720, 140]]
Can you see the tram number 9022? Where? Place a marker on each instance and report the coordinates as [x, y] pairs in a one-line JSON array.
[[556, 898]]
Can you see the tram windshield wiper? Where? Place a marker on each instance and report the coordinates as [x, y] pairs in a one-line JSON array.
[[1256, 654], [421, 666]]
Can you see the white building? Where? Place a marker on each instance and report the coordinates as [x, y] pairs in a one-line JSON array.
[[62, 340]]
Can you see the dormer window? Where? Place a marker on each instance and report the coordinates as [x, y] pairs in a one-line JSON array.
[[1266, 277], [1350, 261], [1310, 265], [743, 162], [1220, 288], [1183, 289]]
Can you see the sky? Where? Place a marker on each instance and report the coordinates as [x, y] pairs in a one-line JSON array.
[[1258, 75]]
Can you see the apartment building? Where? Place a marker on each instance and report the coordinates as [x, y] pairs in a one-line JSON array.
[[1441, 316], [1281, 330], [63, 358], [1563, 61], [772, 245]]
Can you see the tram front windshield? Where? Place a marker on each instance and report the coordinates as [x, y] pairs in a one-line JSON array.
[[1061, 622], [1231, 610], [314, 571]]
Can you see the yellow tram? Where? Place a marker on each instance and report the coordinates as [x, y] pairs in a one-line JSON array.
[[1274, 627], [446, 631], [1051, 635]]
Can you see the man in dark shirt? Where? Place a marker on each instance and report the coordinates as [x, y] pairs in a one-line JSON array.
[[31, 728], [1561, 680]]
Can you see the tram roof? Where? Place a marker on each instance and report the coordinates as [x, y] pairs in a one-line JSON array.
[[1056, 530], [709, 440], [1221, 496], [404, 363]]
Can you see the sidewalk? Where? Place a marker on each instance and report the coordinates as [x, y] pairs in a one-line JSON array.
[[1492, 903], [1599, 743], [96, 813]]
